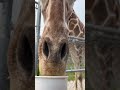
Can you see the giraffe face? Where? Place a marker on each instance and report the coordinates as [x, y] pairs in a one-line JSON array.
[[53, 51]]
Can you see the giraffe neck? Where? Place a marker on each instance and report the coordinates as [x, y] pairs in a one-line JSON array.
[[56, 11], [76, 27]]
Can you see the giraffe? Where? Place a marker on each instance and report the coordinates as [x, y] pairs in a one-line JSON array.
[[21, 49], [76, 29], [53, 46], [106, 63], [77, 52]]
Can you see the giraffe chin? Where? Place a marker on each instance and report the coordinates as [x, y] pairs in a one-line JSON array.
[[52, 69]]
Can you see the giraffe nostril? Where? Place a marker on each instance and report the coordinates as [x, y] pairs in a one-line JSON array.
[[46, 49], [63, 50]]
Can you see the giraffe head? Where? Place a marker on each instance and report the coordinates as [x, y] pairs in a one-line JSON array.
[[53, 48]]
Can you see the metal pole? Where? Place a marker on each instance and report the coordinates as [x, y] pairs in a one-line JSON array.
[[75, 40], [38, 36], [76, 70], [5, 19]]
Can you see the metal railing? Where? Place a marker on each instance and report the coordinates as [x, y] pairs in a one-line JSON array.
[[76, 70]]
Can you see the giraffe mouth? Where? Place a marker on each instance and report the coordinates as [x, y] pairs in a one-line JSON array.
[[53, 69]]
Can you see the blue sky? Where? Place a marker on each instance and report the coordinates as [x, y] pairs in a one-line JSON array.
[[79, 8]]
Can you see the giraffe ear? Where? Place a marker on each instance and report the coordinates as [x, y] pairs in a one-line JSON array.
[[43, 4]]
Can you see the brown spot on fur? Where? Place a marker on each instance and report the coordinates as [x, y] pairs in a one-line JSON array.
[[71, 26], [71, 33], [76, 30], [74, 21]]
